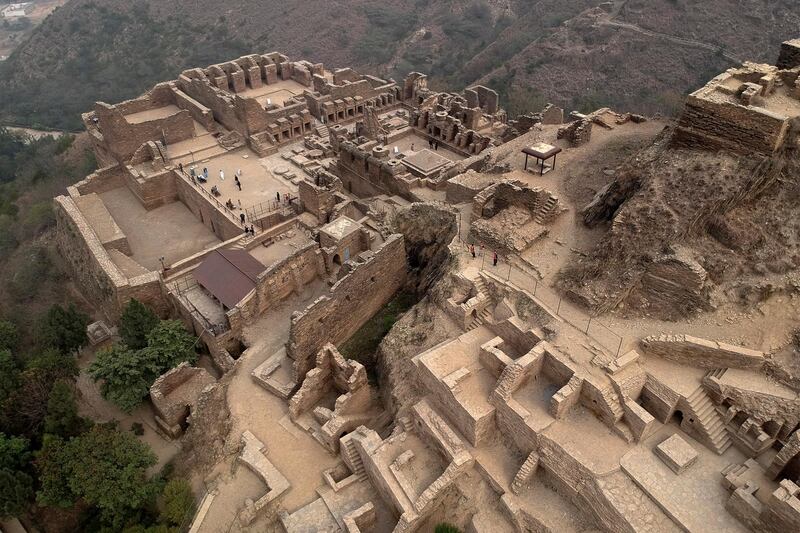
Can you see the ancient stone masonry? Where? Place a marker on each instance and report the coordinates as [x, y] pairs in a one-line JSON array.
[[790, 55], [351, 302], [702, 353], [512, 215], [276, 207], [465, 123], [745, 108], [174, 395], [355, 403]]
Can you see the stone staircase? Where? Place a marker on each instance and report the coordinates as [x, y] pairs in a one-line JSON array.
[[546, 212], [709, 421], [201, 148], [716, 373], [508, 381], [354, 459], [322, 131], [481, 319], [735, 469], [525, 473]]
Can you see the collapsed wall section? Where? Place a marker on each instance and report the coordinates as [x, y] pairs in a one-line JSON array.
[[352, 301]]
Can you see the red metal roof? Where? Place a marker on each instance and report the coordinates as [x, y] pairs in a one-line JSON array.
[[229, 275]]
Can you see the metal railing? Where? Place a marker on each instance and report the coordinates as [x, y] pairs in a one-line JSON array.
[[222, 207], [257, 211], [564, 309], [183, 285]]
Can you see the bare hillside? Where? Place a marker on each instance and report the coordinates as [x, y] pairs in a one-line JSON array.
[[635, 54]]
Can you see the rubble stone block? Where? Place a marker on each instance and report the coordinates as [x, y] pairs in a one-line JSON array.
[[676, 453]]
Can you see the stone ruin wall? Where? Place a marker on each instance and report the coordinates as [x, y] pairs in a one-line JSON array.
[[195, 85], [351, 302], [693, 351], [285, 277], [729, 125], [319, 200], [101, 180], [205, 211], [122, 138], [199, 112], [509, 193], [790, 55], [154, 190], [363, 174], [94, 271]]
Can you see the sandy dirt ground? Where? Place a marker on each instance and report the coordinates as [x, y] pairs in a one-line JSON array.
[[299, 457]]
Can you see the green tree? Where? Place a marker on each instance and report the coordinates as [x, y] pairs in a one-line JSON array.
[[169, 344], [62, 412], [8, 335], [16, 486], [54, 489], [177, 503], [127, 374], [445, 527], [136, 322], [26, 407], [64, 329], [124, 378], [106, 468], [9, 375], [16, 491]]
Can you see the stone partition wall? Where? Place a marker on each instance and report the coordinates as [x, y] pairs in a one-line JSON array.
[[364, 174], [206, 212], [352, 301], [693, 351], [122, 138], [199, 112], [790, 54], [289, 276], [102, 180], [153, 190]]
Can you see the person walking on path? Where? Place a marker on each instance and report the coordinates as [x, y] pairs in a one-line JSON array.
[[205, 172], [494, 259], [221, 175], [279, 195], [238, 183], [241, 217], [472, 250], [180, 166]]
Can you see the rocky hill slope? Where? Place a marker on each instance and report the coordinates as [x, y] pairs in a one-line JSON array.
[[636, 54]]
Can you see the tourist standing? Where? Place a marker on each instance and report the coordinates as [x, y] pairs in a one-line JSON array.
[[221, 175]]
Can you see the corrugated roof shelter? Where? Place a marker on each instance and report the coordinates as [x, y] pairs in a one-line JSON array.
[[229, 275]]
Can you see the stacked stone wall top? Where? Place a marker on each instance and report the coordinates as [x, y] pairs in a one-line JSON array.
[[702, 353], [91, 266], [732, 125]]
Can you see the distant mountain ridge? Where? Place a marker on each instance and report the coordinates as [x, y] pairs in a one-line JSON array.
[[641, 55]]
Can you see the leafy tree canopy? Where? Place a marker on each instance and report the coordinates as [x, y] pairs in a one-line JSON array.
[[105, 467], [9, 375], [177, 503], [16, 486], [8, 335], [136, 322], [127, 374], [64, 329], [62, 412]]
